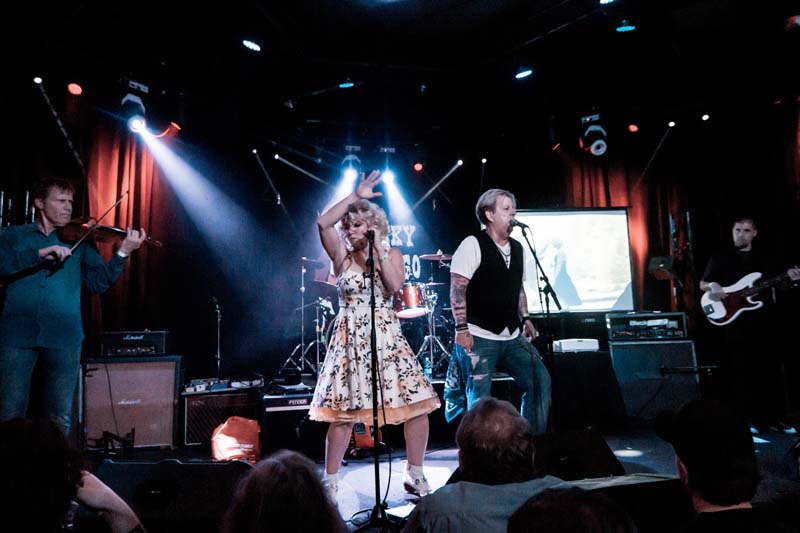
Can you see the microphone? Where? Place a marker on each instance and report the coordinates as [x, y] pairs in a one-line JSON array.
[[517, 223], [371, 235]]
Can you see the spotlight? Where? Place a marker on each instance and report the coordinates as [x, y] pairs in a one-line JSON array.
[[593, 139], [74, 89], [523, 72], [351, 167], [418, 167], [633, 128], [133, 111]]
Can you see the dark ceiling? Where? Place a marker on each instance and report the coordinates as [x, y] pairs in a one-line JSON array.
[[435, 73]]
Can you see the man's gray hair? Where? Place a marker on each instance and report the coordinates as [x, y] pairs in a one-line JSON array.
[[488, 201]]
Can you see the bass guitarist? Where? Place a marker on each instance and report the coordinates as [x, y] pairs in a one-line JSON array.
[[751, 378]]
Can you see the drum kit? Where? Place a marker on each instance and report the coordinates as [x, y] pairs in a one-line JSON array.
[[416, 299], [412, 301]]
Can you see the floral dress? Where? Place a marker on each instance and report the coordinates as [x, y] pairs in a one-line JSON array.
[[344, 384]]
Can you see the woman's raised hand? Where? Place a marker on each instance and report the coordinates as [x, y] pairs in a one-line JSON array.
[[365, 186]]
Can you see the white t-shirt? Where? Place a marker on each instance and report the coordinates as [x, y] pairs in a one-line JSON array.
[[466, 260]]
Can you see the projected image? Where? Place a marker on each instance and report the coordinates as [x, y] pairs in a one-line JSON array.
[[586, 256]]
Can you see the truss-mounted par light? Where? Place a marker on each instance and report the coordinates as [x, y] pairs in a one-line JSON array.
[[593, 139], [133, 111]]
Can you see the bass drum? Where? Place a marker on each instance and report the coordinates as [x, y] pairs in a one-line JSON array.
[[411, 300]]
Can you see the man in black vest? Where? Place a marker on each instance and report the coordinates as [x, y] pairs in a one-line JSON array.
[[489, 304]]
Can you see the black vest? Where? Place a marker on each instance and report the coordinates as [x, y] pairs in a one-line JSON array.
[[493, 291]]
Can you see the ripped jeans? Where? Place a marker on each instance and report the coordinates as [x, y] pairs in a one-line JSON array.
[[522, 361]]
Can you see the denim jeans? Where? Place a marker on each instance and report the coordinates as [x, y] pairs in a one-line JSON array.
[[59, 370], [522, 361]]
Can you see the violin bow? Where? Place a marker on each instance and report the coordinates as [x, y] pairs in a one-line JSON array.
[[97, 221]]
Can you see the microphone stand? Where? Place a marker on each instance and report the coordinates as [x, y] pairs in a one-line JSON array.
[[218, 355], [548, 292], [378, 517]]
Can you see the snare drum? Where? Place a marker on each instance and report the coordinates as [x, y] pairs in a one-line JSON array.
[[410, 301]]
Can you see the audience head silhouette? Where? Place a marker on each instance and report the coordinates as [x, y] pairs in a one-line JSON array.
[[495, 444], [41, 473], [282, 493], [715, 452], [570, 511]]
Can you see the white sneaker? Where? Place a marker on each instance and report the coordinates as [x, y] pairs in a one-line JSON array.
[[331, 485], [414, 481]]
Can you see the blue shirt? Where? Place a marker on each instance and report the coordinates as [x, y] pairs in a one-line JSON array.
[[466, 507], [43, 302]]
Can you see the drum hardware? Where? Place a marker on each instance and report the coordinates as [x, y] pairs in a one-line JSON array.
[[302, 363], [432, 342]]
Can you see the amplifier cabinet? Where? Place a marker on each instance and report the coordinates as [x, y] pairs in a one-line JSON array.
[[655, 375], [204, 411], [133, 393]]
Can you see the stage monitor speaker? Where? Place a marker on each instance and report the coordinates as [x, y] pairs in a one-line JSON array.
[[577, 454], [204, 411], [655, 503], [170, 495], [138, 394], [654, 376]]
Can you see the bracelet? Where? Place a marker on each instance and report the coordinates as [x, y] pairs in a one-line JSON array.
[[122, 254], [461, 327]]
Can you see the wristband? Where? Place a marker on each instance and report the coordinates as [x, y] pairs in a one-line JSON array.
[[462, 327], [122, 254]]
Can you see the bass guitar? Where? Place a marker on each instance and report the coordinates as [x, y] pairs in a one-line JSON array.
[[738, 298]]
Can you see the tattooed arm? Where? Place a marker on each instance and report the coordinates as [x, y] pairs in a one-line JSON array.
[[458, 302]]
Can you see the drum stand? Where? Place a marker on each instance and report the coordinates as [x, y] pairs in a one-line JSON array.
[[432, 342]]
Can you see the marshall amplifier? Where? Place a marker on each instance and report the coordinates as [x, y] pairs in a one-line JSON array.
[[133, 343]]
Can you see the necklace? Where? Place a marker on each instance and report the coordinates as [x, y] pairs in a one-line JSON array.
[[506, 256]]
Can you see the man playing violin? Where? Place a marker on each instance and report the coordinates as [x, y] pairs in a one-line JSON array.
[[41, 327]]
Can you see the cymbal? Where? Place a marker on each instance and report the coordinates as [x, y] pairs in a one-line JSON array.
[[434, 284], [436, 257], [322, 289], [313, 263]]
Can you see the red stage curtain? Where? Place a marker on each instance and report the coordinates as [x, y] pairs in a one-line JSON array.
[[119, 162]]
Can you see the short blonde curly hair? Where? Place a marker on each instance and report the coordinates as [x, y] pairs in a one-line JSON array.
[[369, 212]]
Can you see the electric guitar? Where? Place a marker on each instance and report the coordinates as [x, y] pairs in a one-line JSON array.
[[738, 299]]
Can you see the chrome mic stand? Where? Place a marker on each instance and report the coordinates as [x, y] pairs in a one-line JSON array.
[[302, 364], [218, 355]]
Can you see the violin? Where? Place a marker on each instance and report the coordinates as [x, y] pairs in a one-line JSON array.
[[81, 229]]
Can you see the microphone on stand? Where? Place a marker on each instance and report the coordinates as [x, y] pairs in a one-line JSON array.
[[517, 223], [371, 235]]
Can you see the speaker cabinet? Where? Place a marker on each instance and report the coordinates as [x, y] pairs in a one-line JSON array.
[[585, 391], [204, 411], [655, 375], [171, 495], [576, 454], [140, 394]]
